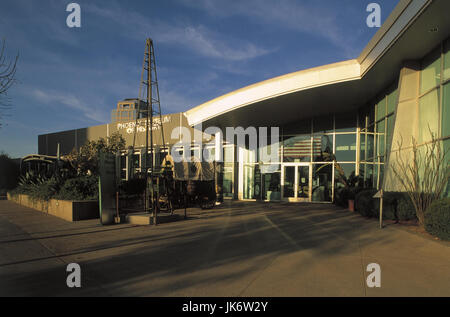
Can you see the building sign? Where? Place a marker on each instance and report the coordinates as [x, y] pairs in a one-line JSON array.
[[141, 125]]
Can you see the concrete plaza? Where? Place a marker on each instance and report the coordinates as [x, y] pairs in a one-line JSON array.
[[238, 249]]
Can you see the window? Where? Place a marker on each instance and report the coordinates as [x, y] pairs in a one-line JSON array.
[[430, 75], [346, 147], [161, 155], [428, 115], [227, 181], [250, 174], [362, 147], [389, 131], [368, 175], [271, 182], [346, 169], [447, 60], [445, 122], [323, 148], [209, 154], [380, 141], [297, 149], [123, 167], [228, 154], [392, 101], [136, 160], [447, 150], [322, 182], [381, 109]]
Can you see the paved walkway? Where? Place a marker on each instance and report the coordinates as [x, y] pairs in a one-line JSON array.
[[242, 249]]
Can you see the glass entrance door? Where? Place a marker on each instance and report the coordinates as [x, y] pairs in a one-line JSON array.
[[296, 182]]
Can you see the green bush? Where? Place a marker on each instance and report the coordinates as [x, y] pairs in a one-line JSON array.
[[437, 219], [79, 188], [389, 206], [365, 204], [405, 208], [38, 188], [396, 206]]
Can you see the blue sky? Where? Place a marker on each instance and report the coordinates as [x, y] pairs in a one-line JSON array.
[[73, 77]]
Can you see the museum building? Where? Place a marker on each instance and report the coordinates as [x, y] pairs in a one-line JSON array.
[[354, 113]]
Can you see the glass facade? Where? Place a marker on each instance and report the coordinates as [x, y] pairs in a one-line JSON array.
[[376, 129], [434, 104]]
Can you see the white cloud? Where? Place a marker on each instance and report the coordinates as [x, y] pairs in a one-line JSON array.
[[310, 19], [57, 98], [196, 38]]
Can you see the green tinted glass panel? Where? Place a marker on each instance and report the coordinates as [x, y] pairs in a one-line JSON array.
[[381, 135], [447, 160], [323, 148], [389, 131], [375, 176], [381, 109], [368, 175], [346, 147], [227, 180], [381, 173], [362, 147], [272, 184], [322, 176], [446, 112], [447, 60], [370, 146], [392, 101], [428, 115], [430, 76], [380, 126], [249, 182], [342, 172]]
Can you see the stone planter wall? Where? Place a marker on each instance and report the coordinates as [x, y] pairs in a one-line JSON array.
[[64, 209]]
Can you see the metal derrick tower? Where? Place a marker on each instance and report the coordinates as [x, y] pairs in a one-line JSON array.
[[149, 107]]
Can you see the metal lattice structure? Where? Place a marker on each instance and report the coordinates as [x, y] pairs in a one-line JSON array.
[[149, 107]]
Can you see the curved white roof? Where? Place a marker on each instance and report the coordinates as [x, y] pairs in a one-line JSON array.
[[352, 70]]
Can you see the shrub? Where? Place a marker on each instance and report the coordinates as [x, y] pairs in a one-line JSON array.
[[341, 197], [365, 204], [79, 188], [405, 208], [396, 206], [437, 219], [38, 188]]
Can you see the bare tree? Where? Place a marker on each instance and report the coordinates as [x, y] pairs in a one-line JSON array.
[[423, 173], [7, 78]]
